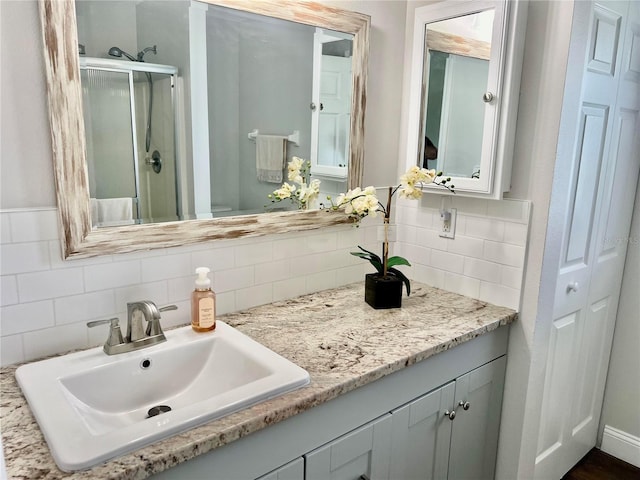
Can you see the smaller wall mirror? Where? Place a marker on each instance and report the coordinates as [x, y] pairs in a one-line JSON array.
[[466, 64]]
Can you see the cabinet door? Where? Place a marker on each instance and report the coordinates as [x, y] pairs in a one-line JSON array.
[[421, 433], [361, 454], [291, 471], [474, 436]]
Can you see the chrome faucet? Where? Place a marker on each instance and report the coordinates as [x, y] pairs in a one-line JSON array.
[[137, 336]]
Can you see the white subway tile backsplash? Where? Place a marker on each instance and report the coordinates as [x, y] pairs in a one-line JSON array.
[[168, 266], [349, 237], [179, 317], [503, 253], [427, 219], [407, 233], [157, 292], [34, 225], [88, 306], [321, 281], [405, 214], [430, 238], [486, 257], [430, 276], [511, 276], [482, 270], [9, 289], [179, 289], [225, 303], [512, 210], [273, 271], [295, 247], [5, 228], [462, 285], [54, 340], [500, 295], [253, 296], [24, 257], [468, 246], [415, 254], [96, 336], [25, 317], [485, 228], [11, 350], [470, 206], [449, 262], [347, 275], [46, 300], [112, 275], [516, 233], [50, 284], [215, 259], [254, 254], [289, 288], [234, 279]]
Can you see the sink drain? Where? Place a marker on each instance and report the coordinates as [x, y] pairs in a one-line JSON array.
[[157, 410]]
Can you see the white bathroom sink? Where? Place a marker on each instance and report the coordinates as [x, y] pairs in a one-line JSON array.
[[92, 407]]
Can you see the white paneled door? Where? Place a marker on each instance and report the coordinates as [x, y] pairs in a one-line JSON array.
[[599, 145]]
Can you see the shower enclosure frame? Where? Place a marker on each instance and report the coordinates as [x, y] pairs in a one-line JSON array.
[[129, 67]]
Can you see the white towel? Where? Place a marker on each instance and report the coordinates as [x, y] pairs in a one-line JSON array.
[[271, 157], [111, 212]]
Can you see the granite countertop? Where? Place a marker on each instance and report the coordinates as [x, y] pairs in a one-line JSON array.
[[341, 341]]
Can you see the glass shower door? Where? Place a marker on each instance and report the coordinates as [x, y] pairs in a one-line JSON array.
[[155, 139], [110, 146]]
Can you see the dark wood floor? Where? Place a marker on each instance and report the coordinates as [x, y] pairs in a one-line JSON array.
[[597, 465]]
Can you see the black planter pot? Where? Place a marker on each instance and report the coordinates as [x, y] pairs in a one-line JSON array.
[[382, 292]]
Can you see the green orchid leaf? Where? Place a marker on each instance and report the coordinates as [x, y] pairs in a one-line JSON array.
[[402, 277], [373, 255], [393, 261], [366, 256], [372, 258]]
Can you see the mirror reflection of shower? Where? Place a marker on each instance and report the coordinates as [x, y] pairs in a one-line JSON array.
[[118, 52], [115, 104]]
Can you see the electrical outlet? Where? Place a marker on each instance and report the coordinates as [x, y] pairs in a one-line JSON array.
[[448, 226]]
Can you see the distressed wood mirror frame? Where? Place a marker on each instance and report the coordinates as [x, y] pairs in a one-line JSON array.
[[59, 33]]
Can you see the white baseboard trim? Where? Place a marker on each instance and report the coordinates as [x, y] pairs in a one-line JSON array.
[[621, 445]]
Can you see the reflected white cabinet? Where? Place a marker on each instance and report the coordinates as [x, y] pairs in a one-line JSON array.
[[452, 432], [361, 454]]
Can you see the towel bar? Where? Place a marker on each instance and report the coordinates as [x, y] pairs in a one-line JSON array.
[[293, 138]]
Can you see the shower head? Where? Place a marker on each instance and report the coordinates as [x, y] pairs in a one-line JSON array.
[[142, 53], [117, 52]]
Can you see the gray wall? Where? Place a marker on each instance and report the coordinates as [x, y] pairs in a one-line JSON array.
[[622, 395]]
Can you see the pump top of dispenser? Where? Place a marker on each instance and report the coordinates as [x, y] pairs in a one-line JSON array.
[[203, 282]]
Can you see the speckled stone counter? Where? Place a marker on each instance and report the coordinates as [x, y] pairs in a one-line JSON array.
[[341, 341]]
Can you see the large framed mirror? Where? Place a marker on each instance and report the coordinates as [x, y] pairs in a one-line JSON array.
[[466, 64], [186, 149]]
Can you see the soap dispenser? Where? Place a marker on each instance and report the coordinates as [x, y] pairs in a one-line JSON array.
[[203, 303]]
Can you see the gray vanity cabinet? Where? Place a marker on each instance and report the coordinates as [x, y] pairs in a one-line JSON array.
[[393, 428], [452, 432], [291, 471], [363, 453], [421, 436]]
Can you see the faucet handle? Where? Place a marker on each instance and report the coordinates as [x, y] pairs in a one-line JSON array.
[[153, 325], [115, 335]]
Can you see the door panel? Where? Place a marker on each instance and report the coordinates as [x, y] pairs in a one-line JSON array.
[[421, 434], [605, 166], [474, 436], [364, 451]]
